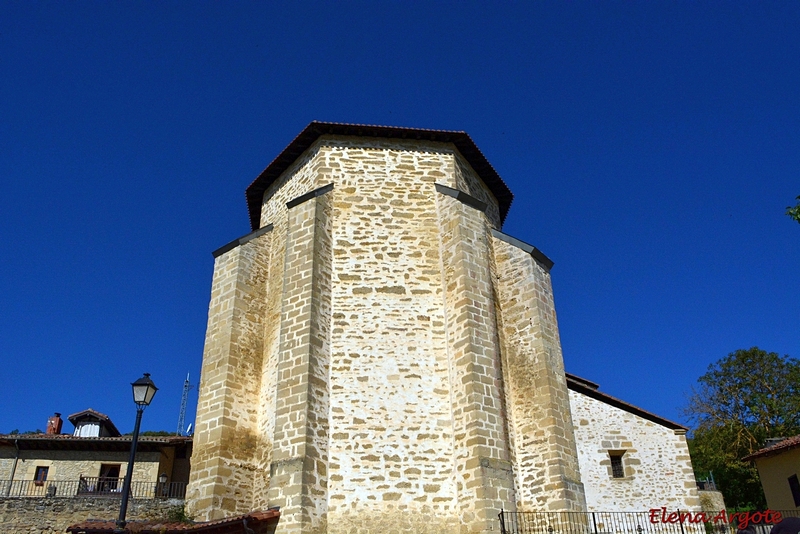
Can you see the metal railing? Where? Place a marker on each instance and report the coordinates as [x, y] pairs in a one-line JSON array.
[[95, 487], [100, 486], [664, 522], [706, 484]]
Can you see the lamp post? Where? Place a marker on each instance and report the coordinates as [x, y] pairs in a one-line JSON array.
[[143, 391], [162, 484]]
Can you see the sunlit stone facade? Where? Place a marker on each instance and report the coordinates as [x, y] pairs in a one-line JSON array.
[[379, 356]]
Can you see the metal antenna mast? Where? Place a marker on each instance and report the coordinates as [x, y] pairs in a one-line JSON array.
[[184, 398]]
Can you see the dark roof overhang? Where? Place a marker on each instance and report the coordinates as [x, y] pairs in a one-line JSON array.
[[465, 145], [66, 442]]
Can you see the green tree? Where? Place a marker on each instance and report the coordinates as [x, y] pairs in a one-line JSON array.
[[156, 433], [794, 212], [743, 399]]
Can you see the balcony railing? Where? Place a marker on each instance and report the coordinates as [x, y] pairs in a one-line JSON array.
[[628, 522], [96, 487]]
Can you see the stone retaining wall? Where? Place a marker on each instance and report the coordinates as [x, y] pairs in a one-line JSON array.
[[54, 515]]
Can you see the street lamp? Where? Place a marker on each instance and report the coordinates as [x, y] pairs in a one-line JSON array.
[[162, 484], [143, 391]]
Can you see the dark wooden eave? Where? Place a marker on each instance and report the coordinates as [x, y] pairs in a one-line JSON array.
[[66, 442], [465, 145]]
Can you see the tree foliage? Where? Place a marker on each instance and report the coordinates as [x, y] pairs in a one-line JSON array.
[[743, 399], [152, 433], [794, 212]]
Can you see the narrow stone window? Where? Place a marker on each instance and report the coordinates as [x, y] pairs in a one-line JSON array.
[[794, 485], [617, 469]]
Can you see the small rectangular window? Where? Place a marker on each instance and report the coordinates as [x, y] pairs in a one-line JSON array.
[[794, 485], [41, 475], [617, 469]]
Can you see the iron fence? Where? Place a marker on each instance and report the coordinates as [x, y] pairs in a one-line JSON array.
[[662, 522], [706, 484], [95, 487]]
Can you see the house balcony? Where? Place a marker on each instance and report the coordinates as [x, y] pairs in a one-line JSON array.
[[91, 487]]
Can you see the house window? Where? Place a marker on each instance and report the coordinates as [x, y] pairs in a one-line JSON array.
[[41, 475], [794, 485], [617, 469]]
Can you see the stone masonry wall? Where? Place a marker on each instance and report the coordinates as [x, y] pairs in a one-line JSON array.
[[299, 179], [54, 515], [6, 462], [365, 367], [466, 180], [658, 469], [483, 468], [227, 441], [299, 467], [544, 451], [71, 465], [391, 465]]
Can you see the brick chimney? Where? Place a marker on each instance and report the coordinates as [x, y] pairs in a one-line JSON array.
[[54, 424]]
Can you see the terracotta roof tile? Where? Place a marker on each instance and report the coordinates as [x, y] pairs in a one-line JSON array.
[[89, 411], [777, 448]]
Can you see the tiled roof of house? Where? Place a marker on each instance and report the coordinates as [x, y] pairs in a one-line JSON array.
[[90, 412], [591, 389], [777, 448], [465, 145], [256, 522]]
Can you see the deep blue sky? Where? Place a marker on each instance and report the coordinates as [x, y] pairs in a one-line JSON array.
[[652, 148]]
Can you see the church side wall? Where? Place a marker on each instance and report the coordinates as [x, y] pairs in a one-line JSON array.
[[299, 468], [657, 467], [353, 369], [226, 441], [483, 470], [391, 445], [303, 176], [545, 456]]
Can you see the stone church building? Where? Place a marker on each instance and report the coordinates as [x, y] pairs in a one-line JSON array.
[[381, 357]]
